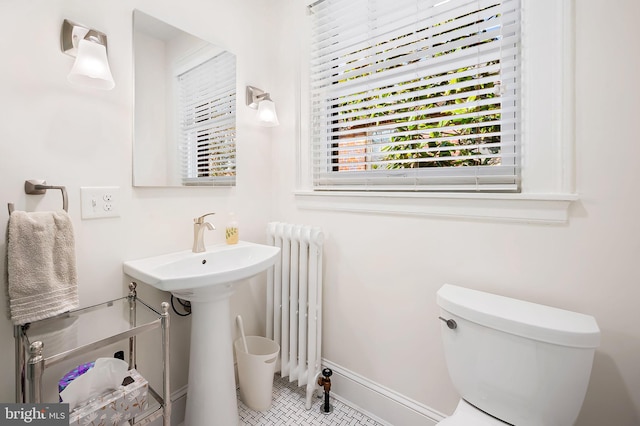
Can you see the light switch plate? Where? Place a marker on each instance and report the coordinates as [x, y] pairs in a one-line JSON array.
[[100, 201]]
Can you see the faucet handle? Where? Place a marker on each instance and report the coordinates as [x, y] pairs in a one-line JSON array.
[[200, 219]]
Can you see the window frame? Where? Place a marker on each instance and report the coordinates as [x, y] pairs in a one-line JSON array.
[[548, 177], [402, 81]]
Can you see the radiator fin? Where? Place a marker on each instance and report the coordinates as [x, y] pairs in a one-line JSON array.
[[294, 302]]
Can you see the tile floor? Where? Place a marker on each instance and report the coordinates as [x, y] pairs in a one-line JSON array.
[[288, 409]]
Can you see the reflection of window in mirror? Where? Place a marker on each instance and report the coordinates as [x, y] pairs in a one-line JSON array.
[[206, 116], [184, 108]]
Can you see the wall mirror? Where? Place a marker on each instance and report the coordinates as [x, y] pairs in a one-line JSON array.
[[184, 108]]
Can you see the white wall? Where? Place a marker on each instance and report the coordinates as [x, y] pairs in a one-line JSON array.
[[151, 109], [73, 136], [382, 272]]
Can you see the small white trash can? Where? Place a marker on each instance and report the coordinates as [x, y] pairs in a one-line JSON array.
[[255, 371]]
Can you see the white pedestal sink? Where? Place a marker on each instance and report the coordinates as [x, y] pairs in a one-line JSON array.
[[207, 281]]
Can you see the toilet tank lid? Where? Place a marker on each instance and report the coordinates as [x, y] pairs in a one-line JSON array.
[[526, 319]]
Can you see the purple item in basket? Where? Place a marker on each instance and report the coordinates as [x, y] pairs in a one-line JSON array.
[[71, 375]]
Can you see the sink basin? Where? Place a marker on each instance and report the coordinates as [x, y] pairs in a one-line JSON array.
[[221, 264], [207, 280]]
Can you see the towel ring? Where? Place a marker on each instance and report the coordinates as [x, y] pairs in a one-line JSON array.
[[38, 187]]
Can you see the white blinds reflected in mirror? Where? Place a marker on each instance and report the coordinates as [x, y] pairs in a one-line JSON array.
[[184, 112], [206, 113]]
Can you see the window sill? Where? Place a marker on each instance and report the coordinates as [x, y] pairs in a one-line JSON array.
[[538, 208]]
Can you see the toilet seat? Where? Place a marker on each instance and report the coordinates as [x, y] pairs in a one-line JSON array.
[[468, 415]]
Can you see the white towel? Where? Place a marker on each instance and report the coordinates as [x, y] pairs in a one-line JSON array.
[[41, 265]]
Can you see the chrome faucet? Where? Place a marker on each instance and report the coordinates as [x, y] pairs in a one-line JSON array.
[[198, 232]]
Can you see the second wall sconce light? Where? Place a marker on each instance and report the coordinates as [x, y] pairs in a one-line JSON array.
[[258, 99], [89, 47]]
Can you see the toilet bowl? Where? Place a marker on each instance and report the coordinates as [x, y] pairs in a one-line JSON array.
[[468, 415], [514, 362]]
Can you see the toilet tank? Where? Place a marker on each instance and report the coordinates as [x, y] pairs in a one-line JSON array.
[[524, 363]]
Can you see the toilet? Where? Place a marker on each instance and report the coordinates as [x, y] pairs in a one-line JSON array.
[[514, 362]]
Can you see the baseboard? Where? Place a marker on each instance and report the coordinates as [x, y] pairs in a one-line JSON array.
[[178, 407], [382, 404]]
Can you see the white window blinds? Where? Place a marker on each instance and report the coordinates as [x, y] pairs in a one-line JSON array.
[[415, 95], [207, 110]]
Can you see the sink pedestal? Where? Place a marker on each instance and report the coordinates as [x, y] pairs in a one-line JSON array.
[[211, 395], [207, 280]]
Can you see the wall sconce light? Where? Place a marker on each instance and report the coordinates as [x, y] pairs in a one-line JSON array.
[[258, 99], [89, 47]]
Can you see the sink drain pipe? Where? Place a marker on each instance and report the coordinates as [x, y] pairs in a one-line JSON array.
[[325, 382]]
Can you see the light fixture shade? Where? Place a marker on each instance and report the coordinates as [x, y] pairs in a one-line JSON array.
[[267, 113], [91, 67]]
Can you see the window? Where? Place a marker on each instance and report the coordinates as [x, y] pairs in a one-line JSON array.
[[415, 95], [207, 134]]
